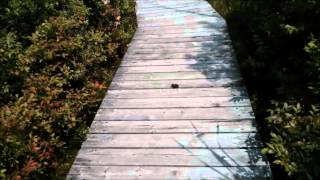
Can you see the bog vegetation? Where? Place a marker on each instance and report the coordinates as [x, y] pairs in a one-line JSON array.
[[56, 59], [278, 48]]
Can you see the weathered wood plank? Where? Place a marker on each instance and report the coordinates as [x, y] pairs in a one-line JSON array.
[[168, 173], [184, 102], [169, 5], [178, 68], [161, 84], [142, 40], [181, 21], [169, 141], [172, 62], [191, 28], [222, 113], [177, 93], [173, 126], [169, 62], [185, 24], [171, 25], [191, 12], [147, 50], [180, 35], [176, 4], [170, 157], [182, 55], [177, 75], [180, 38], [204, 50], [184, 27], [153, 6], [149, 6], [171, 15], [174, 45], [189, 9]]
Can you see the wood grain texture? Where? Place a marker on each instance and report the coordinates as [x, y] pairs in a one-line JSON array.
[[169, 157], [186, 83], [172, 126], [188, 50], [176, 93], [168, 173], [178, 75], [175, 45], [172, 141], [183, 61], [181, 55], [181, 102], [142, 40], [178, 68], [177, 108], [216, 113]]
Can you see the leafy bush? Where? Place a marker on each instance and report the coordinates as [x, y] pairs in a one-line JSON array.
[[52, 86], [295, 139], [22, 17], [10, 82], [313, 49]]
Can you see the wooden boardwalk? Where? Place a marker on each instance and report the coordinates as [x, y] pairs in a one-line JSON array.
[[177, 108]]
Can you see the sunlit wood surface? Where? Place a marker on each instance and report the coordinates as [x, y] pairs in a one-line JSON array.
[[177, 108]]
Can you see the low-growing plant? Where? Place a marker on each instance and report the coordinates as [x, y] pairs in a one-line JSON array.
[[10, 81], [295, 139], [52, 88], [313, 49]]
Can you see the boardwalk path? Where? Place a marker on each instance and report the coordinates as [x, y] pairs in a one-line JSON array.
[[176, 108]]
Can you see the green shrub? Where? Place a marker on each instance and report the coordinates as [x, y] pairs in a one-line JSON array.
[[295, 139], [10, 81], [313, 49], [22, 17]]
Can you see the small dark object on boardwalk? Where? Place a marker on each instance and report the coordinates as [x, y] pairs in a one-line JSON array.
[[175, 86]]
